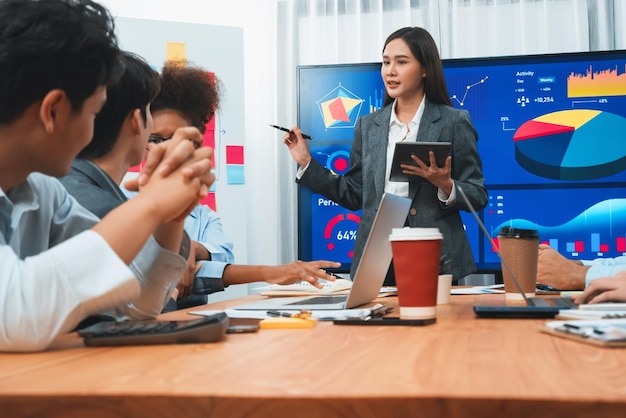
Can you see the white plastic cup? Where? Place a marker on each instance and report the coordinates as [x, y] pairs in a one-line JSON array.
[[444, 285]]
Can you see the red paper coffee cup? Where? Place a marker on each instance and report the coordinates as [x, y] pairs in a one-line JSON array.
[[416, 254]]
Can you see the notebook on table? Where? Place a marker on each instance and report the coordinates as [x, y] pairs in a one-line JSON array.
[[535, 307], [370, 273]]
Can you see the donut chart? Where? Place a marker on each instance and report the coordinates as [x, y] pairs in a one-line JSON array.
[[338, 162], [572, 145], [340, 231]]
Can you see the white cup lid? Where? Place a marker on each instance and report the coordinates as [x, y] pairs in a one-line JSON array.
[[409, 234]]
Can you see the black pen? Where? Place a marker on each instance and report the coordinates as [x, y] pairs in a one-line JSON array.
[[278, 313], [280, 128], [378, 311], [582, 331], [303, 314]]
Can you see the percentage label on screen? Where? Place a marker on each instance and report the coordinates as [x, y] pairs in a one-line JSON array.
[[346, 235]]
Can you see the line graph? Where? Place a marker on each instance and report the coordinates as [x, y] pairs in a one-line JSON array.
[[467, 89]]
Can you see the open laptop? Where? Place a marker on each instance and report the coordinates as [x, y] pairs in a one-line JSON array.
[[535, 307], [370, 273]]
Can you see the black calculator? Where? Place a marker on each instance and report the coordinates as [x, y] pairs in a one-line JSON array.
[[203, 330]]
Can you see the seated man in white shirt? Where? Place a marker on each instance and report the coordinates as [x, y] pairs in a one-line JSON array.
[[58, 262]]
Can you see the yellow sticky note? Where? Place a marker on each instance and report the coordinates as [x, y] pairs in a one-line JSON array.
[[285, 323], [571, 293], [175, 51]]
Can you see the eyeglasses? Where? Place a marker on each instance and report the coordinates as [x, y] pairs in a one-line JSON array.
[[156, 139]]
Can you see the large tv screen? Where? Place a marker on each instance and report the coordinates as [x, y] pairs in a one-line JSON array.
[[552, 139]]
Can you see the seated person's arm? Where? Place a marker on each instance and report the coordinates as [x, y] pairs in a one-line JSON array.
[[559, 272], [61, 273], [601, 268], [186, 282], [310, 271], [210, 256], [164, 197], [167, 210], [205, 227], [200, 251], [606, 289], [82, 274], [217, 275]]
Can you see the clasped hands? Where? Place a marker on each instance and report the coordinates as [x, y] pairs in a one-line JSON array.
[[179, 164], [176, 175]]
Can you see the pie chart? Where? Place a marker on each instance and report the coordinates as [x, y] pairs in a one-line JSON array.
[[572, 145]]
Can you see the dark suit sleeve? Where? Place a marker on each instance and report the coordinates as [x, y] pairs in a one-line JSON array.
[[345, 190], [466, 163]]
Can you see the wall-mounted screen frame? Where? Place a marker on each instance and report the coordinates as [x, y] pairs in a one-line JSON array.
[[552, 139]]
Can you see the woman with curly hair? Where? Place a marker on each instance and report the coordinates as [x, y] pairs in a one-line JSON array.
[[189, 97]]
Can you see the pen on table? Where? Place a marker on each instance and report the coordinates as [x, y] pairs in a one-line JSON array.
[[378, 311], [583, 330], [546, 287], [303, 314], [280, 128]]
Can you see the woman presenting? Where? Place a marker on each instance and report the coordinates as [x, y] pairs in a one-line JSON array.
[[417, 108]]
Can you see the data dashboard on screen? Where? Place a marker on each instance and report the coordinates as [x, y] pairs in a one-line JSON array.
[[552, 139], [330, 100]]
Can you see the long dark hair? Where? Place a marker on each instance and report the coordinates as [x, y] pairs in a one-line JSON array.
[[424, 49]]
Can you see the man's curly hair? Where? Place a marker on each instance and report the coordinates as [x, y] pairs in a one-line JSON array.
[[190, 90]]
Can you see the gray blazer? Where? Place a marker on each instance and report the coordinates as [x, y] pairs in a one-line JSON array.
[[362, 186], [93, 188]]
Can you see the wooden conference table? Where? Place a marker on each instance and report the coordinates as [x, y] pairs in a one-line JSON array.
[[459, 367]]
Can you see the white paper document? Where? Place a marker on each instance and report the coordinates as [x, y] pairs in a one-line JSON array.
[[583, 314], [478, 290], [305, 288]]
